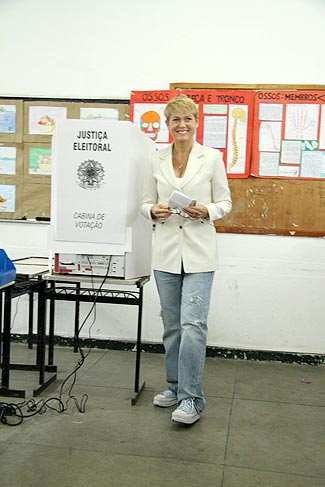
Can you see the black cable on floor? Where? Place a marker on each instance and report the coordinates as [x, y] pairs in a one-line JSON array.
[[81, 406], [12, 414]]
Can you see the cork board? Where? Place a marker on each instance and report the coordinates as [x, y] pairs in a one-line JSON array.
[[274, 206], [35, 194], [25, 149]]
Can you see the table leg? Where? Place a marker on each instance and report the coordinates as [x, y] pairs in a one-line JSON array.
[[41, 325], [6, 340], [30, 321], [137, 387], [76, 320], [1, 321], [41, 344], [51, 328], [6, 337]]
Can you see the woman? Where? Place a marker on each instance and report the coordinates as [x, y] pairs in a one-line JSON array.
[[185, 252]]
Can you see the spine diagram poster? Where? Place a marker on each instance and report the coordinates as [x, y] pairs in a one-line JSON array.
[[225, 122], [289, 134]]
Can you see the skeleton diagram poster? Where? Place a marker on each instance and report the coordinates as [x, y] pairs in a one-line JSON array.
[[225, 122], [289, 134]]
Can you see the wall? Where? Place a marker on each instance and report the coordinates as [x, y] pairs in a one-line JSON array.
[[106, 49], [268, 293]]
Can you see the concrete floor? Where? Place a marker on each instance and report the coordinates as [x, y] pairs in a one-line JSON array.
[[264, 426]]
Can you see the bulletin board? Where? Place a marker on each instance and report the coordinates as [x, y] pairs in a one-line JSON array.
[[272, 205], [225, 122], [26, 130], [289, 134]]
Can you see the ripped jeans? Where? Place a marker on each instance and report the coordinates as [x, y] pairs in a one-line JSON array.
[[184, 300]]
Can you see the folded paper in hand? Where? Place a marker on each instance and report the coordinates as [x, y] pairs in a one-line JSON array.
[[178, 200]]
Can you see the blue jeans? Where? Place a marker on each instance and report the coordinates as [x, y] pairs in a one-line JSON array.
[[185, 300]]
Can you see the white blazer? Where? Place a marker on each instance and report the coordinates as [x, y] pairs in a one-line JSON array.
[[180, 240]]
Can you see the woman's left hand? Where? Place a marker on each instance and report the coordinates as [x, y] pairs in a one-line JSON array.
[[197, 212]]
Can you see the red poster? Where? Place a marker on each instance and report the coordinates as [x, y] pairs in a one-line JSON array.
[[225, 122], [289, 134]]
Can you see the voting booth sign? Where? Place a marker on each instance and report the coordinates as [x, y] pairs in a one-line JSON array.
[[97, 180]]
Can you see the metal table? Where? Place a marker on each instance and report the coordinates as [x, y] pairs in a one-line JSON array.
[[72, 288], [28, 281]]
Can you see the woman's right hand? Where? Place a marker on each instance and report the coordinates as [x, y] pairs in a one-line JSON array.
[[161, 212]]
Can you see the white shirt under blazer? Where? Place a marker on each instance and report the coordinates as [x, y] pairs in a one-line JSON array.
[[179, 239]]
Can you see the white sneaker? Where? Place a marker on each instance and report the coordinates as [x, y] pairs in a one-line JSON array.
[[165, 399], [186, 412]]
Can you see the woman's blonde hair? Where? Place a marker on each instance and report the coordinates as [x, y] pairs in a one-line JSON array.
[[183, 103]]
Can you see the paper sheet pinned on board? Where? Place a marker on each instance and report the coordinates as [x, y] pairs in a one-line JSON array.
[[178, 200]]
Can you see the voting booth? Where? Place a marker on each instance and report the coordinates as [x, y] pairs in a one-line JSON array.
[[97, 182]]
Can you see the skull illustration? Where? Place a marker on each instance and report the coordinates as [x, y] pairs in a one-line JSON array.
[[150, 124]]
